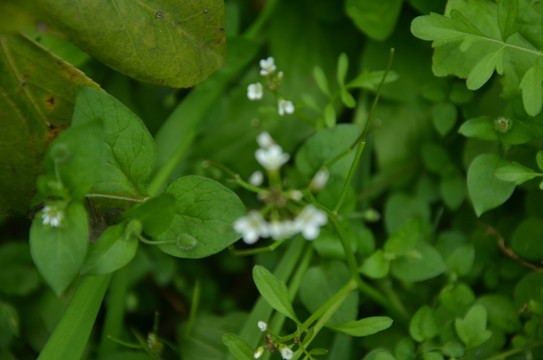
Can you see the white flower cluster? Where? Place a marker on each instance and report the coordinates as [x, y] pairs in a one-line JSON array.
[[256, 91], [52, 215]]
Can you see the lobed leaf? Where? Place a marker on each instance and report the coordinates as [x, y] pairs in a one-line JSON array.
[[165, 42], [472, 328]]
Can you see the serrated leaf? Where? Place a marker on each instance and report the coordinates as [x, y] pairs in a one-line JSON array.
[[164, 42], [404, 239], [423, 325], [155, 214], [111, 251], [375, 19], [58, 252], [32, 114], [472, 328], [274, 291], [320, 79], [237, 347], [516, 173], [129, 149], [342, 68], [485, 189], [204, 213], [365, 327], [532, 89]]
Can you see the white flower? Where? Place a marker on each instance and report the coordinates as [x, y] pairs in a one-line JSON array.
[[252, 227], [256, 178], [319, 180], [267, 66], [285, 107], [295, 195], [254, 91], [281, 229], [272, 158], [262, 326], [258, 353], [264, 140], [286, 352], [309, 221], [52, 216]]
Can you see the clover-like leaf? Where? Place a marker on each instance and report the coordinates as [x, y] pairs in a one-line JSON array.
[[472, 328], [165, 42]]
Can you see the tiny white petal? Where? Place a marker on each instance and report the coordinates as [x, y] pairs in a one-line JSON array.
[[262, 326], [309, 221], [254, 91], [52, 216], [258, 353], [252, 227], [295, 195], [267, 66], [286, 352], [272, 158], [319, 180], [264, 140], [256, 178], [285, 107]]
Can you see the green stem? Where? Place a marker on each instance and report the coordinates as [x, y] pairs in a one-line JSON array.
[[125, 197], [260, 250], [193, 308], [234, 176], [361, 140], [506, 354]]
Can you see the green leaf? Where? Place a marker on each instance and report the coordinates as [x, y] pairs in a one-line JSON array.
[[404, 239], [155, 214], [481, 128], [516, 173], [507, 17], [33, 114], [365, 327], [112, 251], [70, 337], [347, 99], [324, 146], [166, 42], [422, 263], [58, 252], [436, 158], [483, 70], [532, 89], [204, 213], [423, 325], [370, 80], [329, 115], [376, 266], [18, 275], [501, 311], [461, 259], [453, 191], [320, 78], [237, 347], [457, 298], [539, 159], [129, 149], [472, 328], [375, 19], [527, 239], [75, 156], [342, 68], [485, 189], [444, 117], [274, 291], [320, 283]]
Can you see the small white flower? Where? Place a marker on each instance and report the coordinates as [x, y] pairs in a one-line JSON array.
[[52, 216], [295, 195], [267, 66], [252, 227], [254, 91], [281, 229], [309, 221], [258, 353], [256, 178], [264, 140], [286, 352], [272, 158], [319, 180], [262, 326], [285, 107]]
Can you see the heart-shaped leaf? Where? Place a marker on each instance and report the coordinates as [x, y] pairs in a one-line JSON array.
[[165, 42], [472, 328]]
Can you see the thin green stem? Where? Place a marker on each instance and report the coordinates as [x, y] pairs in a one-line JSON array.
[[506, 354], [234, 176], [126, 197], [361, 140], [193, 308], [254, 251]]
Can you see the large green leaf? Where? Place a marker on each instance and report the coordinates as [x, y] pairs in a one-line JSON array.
[[58, 252], [37, 92], [129, 151], [165, 42], [204, 213]]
